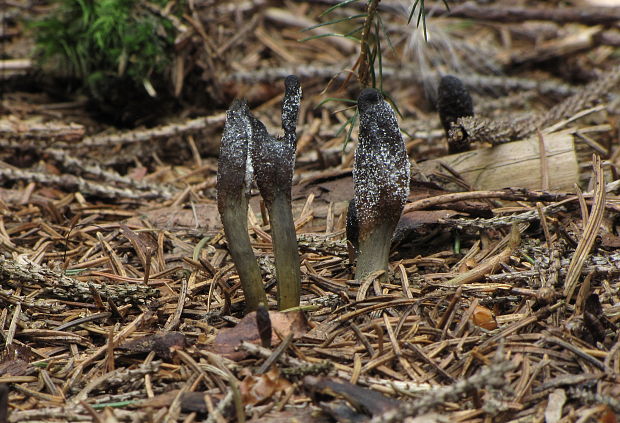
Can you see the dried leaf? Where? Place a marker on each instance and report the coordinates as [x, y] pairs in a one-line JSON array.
[[484, 318], [190, 401], [15, 367], [228, 339], [608, 416], [163, 344], [204, 216], [609, 240], [362, 399], [256, 389], [417, 224]]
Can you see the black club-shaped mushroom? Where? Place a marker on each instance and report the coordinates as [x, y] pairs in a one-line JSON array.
[[234, 177], [454, 102], [381, 178], [274, 161]]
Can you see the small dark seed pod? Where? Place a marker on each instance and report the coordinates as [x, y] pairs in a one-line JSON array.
[[454, 102], [381, 177], [234, 176], [274, 161]]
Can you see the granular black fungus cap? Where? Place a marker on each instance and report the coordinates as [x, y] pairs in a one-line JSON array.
[[234, 173], [274, 158], [381, 171], [290, 108], [367, 98], [453, 101], [273, 162]]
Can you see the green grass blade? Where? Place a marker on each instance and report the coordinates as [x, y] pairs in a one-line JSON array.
[[335, 21], [379, 54], [421, 16], [331, 34], [344, 100], [392, 102], [336, 6], [386, 34], [413, 7], [351, 122]]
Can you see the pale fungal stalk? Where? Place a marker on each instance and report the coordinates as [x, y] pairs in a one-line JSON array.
[[234, 177], [381, 177], [274, 161]]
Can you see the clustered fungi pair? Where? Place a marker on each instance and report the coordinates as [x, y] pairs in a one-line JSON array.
[[248, 150], [381, 176]]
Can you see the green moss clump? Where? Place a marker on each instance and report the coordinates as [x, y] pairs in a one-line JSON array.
[[119, 50]]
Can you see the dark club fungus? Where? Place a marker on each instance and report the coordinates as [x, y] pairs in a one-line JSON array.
[[274, 161], [352, 231], [234, 177], [454, 102], [381, 177]]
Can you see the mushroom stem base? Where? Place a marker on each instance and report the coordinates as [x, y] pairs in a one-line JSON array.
[[234, 218], [374, 251], [285, 251]]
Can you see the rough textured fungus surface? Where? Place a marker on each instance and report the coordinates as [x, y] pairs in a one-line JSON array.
[[274, 160], [381, 171], [290, 108], [235, 171], [352, 226], [453, 101]]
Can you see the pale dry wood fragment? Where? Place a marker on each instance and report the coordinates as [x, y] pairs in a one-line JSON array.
[[516, 164]]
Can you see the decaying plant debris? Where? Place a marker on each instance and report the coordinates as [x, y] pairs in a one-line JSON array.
[[119, 300]]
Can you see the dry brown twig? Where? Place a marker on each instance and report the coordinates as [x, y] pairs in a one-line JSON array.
[[590, 230], [143, 135], [28, 273], [72, 183]]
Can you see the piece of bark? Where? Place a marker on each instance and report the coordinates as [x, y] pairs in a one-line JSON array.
[[515, 164], [583, 15]]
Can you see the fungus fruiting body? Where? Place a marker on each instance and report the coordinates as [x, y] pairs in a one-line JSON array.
[[234, 177], [454, 102], [381, 177], [290, 110], [274, 161], [352, 230]]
